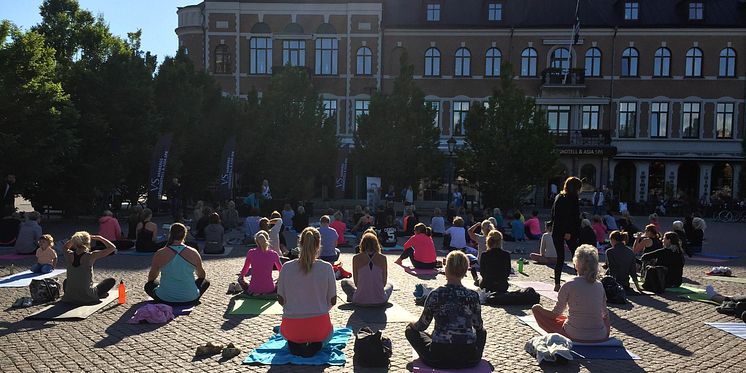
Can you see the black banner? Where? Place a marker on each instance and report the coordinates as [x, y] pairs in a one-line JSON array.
[[341, 179], [158, 171], [226, 169]]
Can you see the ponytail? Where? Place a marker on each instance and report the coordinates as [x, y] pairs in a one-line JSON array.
[[309, 248], [429, 231], [177, 233]]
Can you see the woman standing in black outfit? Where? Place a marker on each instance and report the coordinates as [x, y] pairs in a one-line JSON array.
[[566, 221]]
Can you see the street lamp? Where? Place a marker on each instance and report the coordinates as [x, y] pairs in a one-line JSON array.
[[451, 149]]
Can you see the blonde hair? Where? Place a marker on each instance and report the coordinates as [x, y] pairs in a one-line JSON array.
[[81, 239], [265, 243], [494, 240], [699, 223], [457, 264], [369, 243], [458, 221], [586, 262], [585, 223], [487, 226], [48, 238], [309, 248]]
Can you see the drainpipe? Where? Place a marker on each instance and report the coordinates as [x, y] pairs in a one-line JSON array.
[[204, 36], [611, 95]]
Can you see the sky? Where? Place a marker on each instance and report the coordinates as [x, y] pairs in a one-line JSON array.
[[156, 18]]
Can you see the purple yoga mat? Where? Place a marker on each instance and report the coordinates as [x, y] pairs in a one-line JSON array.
[[706, 259], [482, 367], [16, 257], [544, 289]]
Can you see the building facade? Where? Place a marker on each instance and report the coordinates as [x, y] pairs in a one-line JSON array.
[[644, 96]]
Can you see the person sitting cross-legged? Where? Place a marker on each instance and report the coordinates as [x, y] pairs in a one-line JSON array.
[[177, 264], [261, 261], [369, 285], [587, 318], [78, 286], [459, 336], [621, 262], [420, 249], [547, 252], [329, 238]]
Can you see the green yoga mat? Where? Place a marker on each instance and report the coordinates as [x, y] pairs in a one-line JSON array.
[[685, 289], [699, 297], [740, 280], [254, 306]]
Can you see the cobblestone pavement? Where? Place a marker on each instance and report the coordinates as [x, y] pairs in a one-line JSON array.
[[667, 332]]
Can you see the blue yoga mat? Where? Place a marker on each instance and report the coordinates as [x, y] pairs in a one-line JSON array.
[[276, 352], [603, 353], [717, 256], [394, 248], [134, 253]]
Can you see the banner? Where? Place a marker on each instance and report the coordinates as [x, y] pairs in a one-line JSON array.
[[158, 171], [225, 187], [341, 179]]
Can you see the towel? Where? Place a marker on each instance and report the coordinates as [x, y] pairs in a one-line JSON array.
[[276, 352]]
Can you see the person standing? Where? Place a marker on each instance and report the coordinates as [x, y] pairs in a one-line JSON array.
[[566, 223], [174, 195], [9, 196], [266, 193], [599, 200]]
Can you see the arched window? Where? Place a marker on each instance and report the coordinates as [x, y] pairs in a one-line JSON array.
[[364, 61], [432, 62], [492, 61], [528, 62], [693, 62], [222, 60], [630, 59], [727, 62], [662, 62], [463, 63], [560, 59], [593, 62]]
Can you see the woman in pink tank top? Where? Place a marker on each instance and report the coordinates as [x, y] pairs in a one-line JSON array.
[[369, 286]]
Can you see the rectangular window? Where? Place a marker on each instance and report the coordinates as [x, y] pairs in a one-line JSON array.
[[627, 119], [460, 111], [361, 108], [631, 11], [330, 110], [433, 12], [294, 53], [261, 56], [690, 120], [327, 50], [724, 121], [558, 119], [435, 105], [696, 10], [495, 12], [659, 119], [591, 117]]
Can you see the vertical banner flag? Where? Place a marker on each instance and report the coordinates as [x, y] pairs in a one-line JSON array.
[[341, 179], [158, 171], [226, 169]]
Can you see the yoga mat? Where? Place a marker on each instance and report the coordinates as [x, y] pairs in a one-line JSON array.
[[611, 349], [182, 310], [276, 352], [740, 280], [23, 279], [392, 312], [544, 289], [717, 256], [392, 249], [699, 297], [253, 306], [134, 252], [16, 257], [63, 311], [708, 260], [421, 272], [418, 366], [686, 289], [736, 328], [226, 252]]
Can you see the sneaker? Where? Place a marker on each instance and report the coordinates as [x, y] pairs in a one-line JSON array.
[[230, 351]]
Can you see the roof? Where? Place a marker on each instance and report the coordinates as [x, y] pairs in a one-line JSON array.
[[561, 13]]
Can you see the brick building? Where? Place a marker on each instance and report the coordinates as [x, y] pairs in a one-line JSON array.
[[648, 98]]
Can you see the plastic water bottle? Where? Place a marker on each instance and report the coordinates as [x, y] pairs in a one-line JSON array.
[[122, 292], [520, 265]]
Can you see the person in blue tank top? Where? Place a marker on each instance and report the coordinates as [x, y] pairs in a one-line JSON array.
[[177, 265]]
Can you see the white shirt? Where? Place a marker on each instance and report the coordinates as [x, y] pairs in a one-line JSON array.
[[438, 224], [274, 236], [458, 237], [410, 196], [546, 249]]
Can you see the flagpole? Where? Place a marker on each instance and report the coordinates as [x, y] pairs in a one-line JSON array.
[[575, 31]]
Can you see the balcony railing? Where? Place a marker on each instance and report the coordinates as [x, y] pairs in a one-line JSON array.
[[555, 76], [584, 138]]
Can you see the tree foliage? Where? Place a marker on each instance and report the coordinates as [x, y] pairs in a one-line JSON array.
[[508, 145], [397, 139]]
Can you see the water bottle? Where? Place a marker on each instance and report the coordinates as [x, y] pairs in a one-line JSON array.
[[122, 292], [520, 265]]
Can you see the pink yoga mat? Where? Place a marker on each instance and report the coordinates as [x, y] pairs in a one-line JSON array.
[[544, 289]]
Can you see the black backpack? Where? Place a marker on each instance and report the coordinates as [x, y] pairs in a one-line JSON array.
[[371, 349], [655, 279], [614, 292]]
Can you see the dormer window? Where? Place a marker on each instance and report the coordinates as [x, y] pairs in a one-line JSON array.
[[495, 12], [631, 11], [433, 12], [696, 11]]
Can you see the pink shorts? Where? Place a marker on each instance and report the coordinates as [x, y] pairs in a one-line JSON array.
[[311, 329]]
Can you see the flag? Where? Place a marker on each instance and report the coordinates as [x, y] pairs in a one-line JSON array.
[[576, 31], [341, 179], [158, 170], [228, 158]]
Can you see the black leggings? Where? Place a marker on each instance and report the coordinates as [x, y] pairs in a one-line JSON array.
[[409, 253], [201, 283], [446, 356], [559, 245]]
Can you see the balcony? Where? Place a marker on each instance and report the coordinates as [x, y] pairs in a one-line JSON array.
[[583, 138], [557, 77]]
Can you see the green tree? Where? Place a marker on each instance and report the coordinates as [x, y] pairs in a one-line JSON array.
[[295, 148], [397, 139], [508, 145], [36, 141]]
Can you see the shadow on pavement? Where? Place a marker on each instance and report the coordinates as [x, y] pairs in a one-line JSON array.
[[631, 329], [120, 329]]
